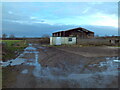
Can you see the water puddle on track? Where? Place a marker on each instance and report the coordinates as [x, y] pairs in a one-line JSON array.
[[30, 50], [25, 71]]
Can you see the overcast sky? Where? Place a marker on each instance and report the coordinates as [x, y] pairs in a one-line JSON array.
[[33, 19]]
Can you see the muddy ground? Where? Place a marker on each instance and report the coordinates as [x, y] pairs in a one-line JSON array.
[[0, 66], [64, 67]]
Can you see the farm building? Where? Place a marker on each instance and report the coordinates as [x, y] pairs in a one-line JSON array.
[[76, 32], [70, 36]]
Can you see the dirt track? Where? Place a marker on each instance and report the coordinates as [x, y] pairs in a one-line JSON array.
[[92, 51], [63, 67]]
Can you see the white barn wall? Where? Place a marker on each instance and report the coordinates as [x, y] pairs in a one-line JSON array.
[[51, 40], [64, 40]]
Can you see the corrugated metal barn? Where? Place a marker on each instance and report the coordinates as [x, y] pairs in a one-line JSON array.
[[70, 36]]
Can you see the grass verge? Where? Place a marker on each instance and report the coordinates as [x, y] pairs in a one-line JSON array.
[[12, 48]]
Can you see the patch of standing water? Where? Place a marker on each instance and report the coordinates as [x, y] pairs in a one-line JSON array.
[[25, 71], [37, 70], [4, 64], [111, 64], [117, 61], [13, 62], [30, 48], [19, 60], [30, 52]]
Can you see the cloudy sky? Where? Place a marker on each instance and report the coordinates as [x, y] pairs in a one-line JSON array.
[[34, 19]]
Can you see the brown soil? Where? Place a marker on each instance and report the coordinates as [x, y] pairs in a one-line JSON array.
[[54, 56]]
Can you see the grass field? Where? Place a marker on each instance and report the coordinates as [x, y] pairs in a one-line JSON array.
[[11, 48], [11, 42]]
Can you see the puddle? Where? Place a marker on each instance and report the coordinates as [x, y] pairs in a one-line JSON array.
[[117, 61], [111, 64], [17, 61], [110, 71], [30, 48], [25, 71], [79, 76], [4, 64], [30, 52], [37, 70]]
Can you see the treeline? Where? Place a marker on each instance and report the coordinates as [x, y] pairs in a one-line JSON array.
[[13, 37], [10, 37], [21, 38]]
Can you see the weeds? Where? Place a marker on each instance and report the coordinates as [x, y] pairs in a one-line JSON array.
[[11, 48]]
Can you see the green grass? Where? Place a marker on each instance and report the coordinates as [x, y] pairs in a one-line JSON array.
[[115, 46], [11, 42], [11, 48]]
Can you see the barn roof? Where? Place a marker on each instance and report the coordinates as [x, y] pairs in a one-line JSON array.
[[83, 29]]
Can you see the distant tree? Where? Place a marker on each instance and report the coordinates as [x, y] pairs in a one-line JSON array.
[[24, 36], [106, 35], [97, 36], [112, 35], [12, 36], [4, 35], [45, 35]]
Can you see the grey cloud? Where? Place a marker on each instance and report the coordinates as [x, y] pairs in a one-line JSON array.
[[35, 30], [39, 29], [102, 30], [59, 10]]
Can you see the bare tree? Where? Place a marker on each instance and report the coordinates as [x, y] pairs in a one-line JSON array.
[[45, 35], [12, 36], [97, 35], [4, 35]]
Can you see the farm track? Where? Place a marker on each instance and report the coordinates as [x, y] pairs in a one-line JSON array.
[[58, 68]]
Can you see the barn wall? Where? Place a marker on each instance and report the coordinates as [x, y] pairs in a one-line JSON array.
[[91, 35], [64, 40], [92, 41], [95, 41], [74, 33]]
